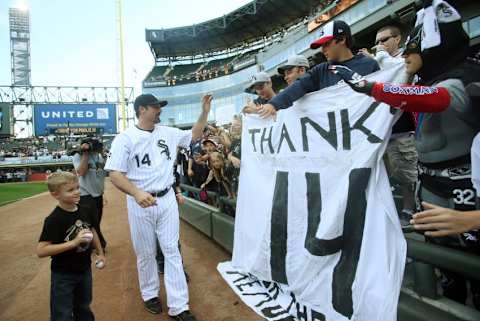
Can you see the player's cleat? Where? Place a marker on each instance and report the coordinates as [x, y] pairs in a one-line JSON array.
[[153, 306], [184, 316]]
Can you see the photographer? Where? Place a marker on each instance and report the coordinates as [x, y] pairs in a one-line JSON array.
[[89, 165]]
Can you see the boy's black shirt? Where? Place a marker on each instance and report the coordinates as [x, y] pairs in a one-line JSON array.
[[56, 228]]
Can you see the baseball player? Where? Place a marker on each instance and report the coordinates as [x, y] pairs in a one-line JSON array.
[[140, 165]]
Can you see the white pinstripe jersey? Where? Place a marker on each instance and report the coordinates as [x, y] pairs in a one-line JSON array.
[[146, 157]]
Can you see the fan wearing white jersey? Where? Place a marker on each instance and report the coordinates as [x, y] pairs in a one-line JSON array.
[[140, 164]]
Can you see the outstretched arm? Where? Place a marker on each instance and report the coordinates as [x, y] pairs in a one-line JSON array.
[[411, 98], [197, 129]]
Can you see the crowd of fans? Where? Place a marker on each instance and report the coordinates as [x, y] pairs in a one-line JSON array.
[[431, 143], [33, 147], [203, 72], [13, 175], [213, 162]]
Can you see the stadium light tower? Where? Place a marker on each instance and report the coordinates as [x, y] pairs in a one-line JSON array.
[[122, 66], [19, 18]]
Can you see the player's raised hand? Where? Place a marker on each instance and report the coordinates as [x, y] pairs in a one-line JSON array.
[[145, 199], [207, 103]]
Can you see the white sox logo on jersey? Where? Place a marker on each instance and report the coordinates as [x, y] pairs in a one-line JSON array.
[[164, 147]]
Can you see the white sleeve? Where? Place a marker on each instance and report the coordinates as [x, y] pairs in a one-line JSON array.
[[119, 153], [76, 160], [184, 137]]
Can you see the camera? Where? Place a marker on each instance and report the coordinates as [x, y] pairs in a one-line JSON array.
[[94, 145]]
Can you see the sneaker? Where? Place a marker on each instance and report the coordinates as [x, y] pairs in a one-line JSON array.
[[153, 306], [184, 316]]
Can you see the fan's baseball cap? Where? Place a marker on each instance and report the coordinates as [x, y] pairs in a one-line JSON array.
[[148, 100], [332, 30], [259, 78], [208, 140], [294, 61]]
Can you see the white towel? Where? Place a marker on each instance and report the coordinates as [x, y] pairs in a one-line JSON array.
[[439, 12]]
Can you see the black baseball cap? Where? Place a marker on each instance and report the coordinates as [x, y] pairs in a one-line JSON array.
[[148, 100], [332, 30]]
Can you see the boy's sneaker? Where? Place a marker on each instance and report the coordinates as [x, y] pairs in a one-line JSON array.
[[184, 316], [153, 306]]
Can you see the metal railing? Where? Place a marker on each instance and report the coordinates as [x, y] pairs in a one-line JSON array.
[[222, 201]]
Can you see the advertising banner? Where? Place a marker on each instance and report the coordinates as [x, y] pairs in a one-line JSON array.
[[53, 119]]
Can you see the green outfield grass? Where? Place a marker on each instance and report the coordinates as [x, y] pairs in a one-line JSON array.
[[11, 192]]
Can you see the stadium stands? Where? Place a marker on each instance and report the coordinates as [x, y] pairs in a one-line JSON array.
[[171, 75], [31, 147], [264, 48]]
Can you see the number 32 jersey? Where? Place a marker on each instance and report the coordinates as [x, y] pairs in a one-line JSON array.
[[147, 157]]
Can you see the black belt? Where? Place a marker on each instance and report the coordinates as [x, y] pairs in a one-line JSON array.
[[161, 193]]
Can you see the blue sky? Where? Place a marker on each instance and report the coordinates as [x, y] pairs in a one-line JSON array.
[[75, 42]]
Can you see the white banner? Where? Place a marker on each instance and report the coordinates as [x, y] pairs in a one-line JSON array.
[[317, 235]]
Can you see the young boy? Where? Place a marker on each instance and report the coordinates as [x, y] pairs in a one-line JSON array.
[[66, 237]]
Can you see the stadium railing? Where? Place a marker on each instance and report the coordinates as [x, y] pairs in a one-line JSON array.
[[422, 302]]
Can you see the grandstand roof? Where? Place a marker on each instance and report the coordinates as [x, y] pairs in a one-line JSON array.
[[250, 22]]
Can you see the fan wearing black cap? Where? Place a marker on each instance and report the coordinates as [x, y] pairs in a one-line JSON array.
[[140, 164], [446, 101], [336, 44]]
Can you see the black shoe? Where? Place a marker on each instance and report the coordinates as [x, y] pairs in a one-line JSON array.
[[153, 306], [184, 316]]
